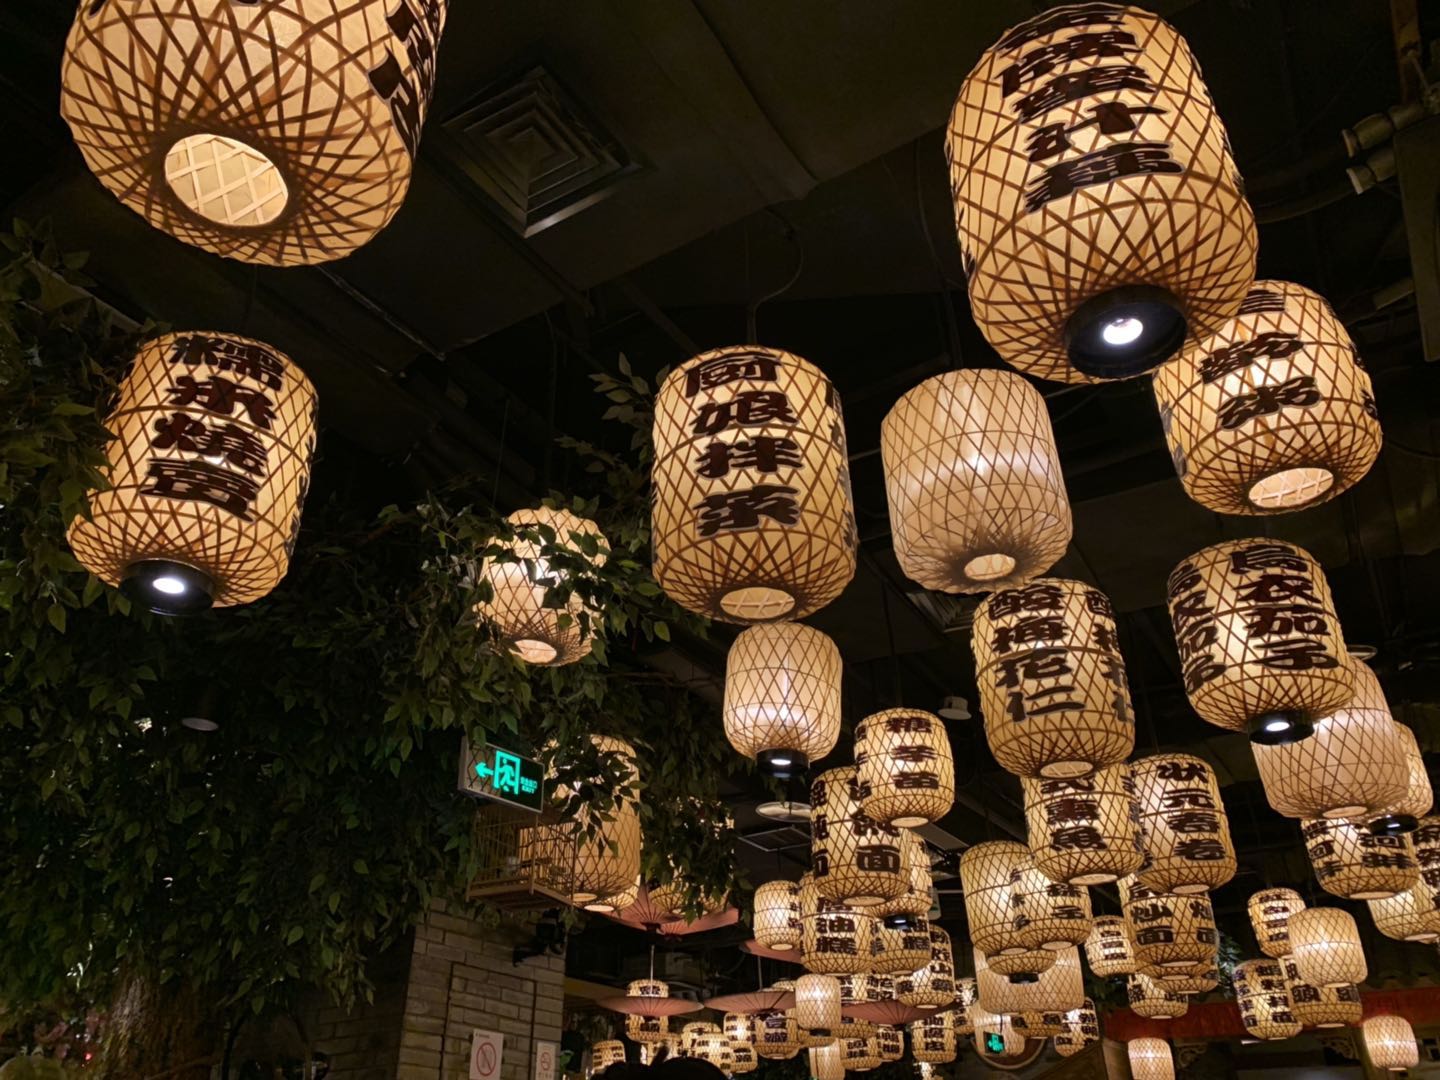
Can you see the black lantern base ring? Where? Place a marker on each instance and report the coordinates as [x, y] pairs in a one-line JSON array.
[[1125, 332], [168, 588], [1393, 825], [1280, 728], [781, 763]]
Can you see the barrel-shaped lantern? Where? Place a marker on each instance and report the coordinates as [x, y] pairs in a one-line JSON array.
[[1263, 996], [1404, 814], [1325, 947], [932, 1039], [1052, 914], [933, 985], [905, 768], [1390, 1043], [1270, 911], [915, 865], [1168, 930], [1085, 830], [1082, 1027], [1150, 1059], [782, 696], [903, 949], [986, 873], [1321, 1006], [777, 1035], [835, 938], [777, 915], [1108, 949], [1410, 915], [853, 858], [1352, 863], [1187, 833]]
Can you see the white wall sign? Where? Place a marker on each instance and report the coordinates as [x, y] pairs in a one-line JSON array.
[[547, 1060], [485, 1053]]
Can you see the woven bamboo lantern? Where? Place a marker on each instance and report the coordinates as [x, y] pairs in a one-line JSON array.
[[972, 476], [1029, 962], [1264, 1000], [817, 1003], [608, 860], [1052, 681], [207, 468], [1187, 834], [1001, 1029], [1168, 931], [932, 1039], [1326, 949], [1321, 1006], [1052, 915], [1188, 984], [1099, 212], [647, 1029], [1270, 911], [1352, 766], [1154, 1000], [272, 135], [714, 1047], [890, 1042], [1108, 949], [904, 950], [744, 1058], [1410, 915], [777, 1036], [932, 986], [752, 518], [857, 990], [1260, 643], [606, 1053], [1404, 815], [834, 937], [1082, 1027], [827, 1062], [1350, 863], [1150, 1059], [1272, 414], [860, 1055], [525, 624], [854, 859], [1085, 830], [1056, 990], [1390, 1043], [782, 696], [1426, 839], [967, 993], [986, 871], [777, 916], [739, 1028], [914, 902], [905, 768]]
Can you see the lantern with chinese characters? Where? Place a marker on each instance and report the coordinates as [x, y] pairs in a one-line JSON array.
[[1350, 863], [525, 620], [272, 134], [1270, 911], [904, 767], [1410, 915], [860, 1055], [744, 1058], [1168, 931], [902, 950], [714, 1047], [606, 1053], [1108, 949], [1082, 1027], [1272, 414], [777, 916], [986, 870], [914, 902], [890, 1042], [782, 696], [1100, 215], [1052, 682], [1404, 815], [966, 995], [752, 518], [1154, 1000], [777, 1036], [739, 1028], [1187, 834], [1085, 830], [1325, 947], [1352, 766], [1320, 1006], [827, 1062], [1260, 645], [932, 1039], [817, 1003], [1055, 916], [835, 938], [858, 990], [854, 859], [972, 476], [1390, 1043], [1264, 1000], [647, 1029], [932, 986], [1150, 1059], [207, 469]]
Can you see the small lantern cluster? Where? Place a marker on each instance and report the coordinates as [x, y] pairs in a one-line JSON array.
[[1047, 998], [782, 696], [1085, 830], [1187, 834]]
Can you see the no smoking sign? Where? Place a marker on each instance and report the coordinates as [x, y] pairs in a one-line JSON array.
[[486, 1048]]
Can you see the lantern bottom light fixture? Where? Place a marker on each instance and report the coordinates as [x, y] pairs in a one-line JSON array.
[[1393, 825], [167, 588], [782, 764], [1280, 728], [1125, 332]]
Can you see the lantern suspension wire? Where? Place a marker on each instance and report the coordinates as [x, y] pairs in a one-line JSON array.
[[500, 453], [793, 237]]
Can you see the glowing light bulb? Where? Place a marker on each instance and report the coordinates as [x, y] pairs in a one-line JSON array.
[[170, 586], [1122, 331]]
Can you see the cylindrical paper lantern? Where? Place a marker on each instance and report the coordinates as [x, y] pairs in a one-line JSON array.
[[1321, 1006], [1051, 915], [1390, 1042], [782, 696], [1056, 990], [1270, 911], [1082, 1027], [967, 993], [914, 902], [932, 1039], [932, 986], [890, 1041], [1326, 947], [1272, 414], [904, 767], [752, 518], [853, 859], [777, 1036], [647, 1029], [1108, 949], [207, 468], [606, 1053], [1085, 830], [972, 476], [1404, 815], [1264, 1000], [777, 915], [1154, 1000], [1150, 1059], [1187, 834], [860, 1055], [1168, 931], [1411, 915], [608, 860], [1099, 211], [739, 1028], [1260, 645], [986, 870], [905, 950], [1052, 681], [744, 1058], [1353, 765], [1351, 863], [817, 1003], [827, 1062], [834, 937]]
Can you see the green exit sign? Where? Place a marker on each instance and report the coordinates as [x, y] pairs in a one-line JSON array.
[[994, 1042], [492, 772]]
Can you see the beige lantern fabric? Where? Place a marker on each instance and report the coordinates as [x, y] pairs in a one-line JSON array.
[[915, 865], [1264, 999], [777, 916], [777, 1036], [208, 466], [1052, 681], [890, 1042], [1150, 1059], [605, 1053], [986, 871], [835, 938], [1272, 414], [752, 517], [1418, 797], [904, 767], [1187, 833], [1082, 1027], [827, 1062], [1410, 915], [1154, 1000], [854, 859], [1054, 991], [1390, 1043], [1108, 949], [281, 135], [520, 583], [1321, 1006], [1052, 915], [1085, 830], [902, 950], [817, 1003], [932, 1039], [967, 993], [1270, 911], [782, 691], [972, 476], [1350, 863], [1168, 931], [1086, 158], [931, 986], [1353, 765], [647, 1029], [1258, 634], [1325, 947]]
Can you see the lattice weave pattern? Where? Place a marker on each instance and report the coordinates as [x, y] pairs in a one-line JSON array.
[[853, 859], [1082, 1027], [1085, 830], [1350, 863], [1264, 999], [1052, 914], [1153, 999], [932, 1039], [777, 916], [1108, 949], [1270, 911], [1321, 1006], [1168, 931], [986, 870], [782, 691], [1150, 1059], [904, 767], [915, 866], [1188, 848], [1410, 915], [931, 986], [1419, 796], [1326, 947], [1055, 991], [1390, 1042], [835, 938]]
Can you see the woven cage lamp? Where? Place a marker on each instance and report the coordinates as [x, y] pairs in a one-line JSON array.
[[827, 1062], [281, 135], [647, 1029], [1270, 911], [914, 902], [1321, 1006], [1274, 412], [744, 1058], [1404, 815], [1052, 681], [1188, 984], [972, 477], [1350, 863], [1057, 990], [777, 915], [1410, 915], [605, 1053], [860, 1055], [777, 1036], [1187, 833], [1051, 914], [967, 993], [853, 858], [1082, 1027], [715, 1048], [607, 860], [1150, 1059], [889, 1042], [904, 767], [1028, 962], [932, 1039], [903, 950], [857, 989], [525, 621], [1099, 212], [1108, 950], [1154, 1000], [1353, 765], [1168, 931], [817, 1003], [1261, 648], [1085, 830], [739, 1028], [1325, 947], [931, 986], [751, 514], [1264, 1000], [782, 696], [835, 938], [207, 469], [986, 870], [1390, 1043]]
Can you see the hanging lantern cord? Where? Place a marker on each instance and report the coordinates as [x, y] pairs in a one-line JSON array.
[[890, 637], [794, 238], [1255, 824]]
